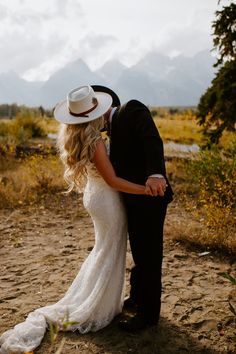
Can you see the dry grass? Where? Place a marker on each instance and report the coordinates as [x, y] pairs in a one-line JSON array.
[[50, 125], [179, 131], [193, 230], [28, 180], [183, 129], [203, 224]]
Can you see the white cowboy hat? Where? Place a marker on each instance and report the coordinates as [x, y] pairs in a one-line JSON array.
[[82, 105]]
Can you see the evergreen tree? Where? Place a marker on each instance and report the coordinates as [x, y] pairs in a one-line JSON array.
[[217, 106]]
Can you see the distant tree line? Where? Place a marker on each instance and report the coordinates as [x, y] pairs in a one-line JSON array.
[[10, 111], [166, 112]]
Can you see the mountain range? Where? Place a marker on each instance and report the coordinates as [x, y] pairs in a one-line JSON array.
[[156, 80]]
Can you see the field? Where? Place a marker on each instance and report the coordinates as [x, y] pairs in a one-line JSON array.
[[46, 235]]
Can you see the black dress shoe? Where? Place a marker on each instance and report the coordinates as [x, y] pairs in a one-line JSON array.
[[130, 305], [136, 324]]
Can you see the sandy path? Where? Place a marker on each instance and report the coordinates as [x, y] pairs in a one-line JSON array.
[[41, 250]]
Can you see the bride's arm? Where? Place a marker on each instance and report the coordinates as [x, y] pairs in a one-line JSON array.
[[106, 170]]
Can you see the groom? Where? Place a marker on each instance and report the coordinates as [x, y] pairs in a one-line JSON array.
[[136, 152]]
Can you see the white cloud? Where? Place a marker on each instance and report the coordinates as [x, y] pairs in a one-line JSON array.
[[32, 37], [95, 48], [37, 37], [3, 12], [91, 48], [186, 40]]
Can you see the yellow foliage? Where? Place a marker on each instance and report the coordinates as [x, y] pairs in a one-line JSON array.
[[179, 131], [33, 177]]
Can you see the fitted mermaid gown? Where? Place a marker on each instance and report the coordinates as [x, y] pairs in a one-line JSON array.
[[97, 293]]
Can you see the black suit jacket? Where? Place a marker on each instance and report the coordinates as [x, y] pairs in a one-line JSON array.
[[136, 150]]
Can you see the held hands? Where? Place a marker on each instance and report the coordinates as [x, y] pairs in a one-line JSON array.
[[155, 186]]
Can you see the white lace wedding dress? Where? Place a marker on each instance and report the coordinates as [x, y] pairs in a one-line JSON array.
[[96, 294]]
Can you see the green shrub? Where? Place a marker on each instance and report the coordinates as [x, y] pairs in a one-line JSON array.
[[24, 127], [214, 172], [29, 180], [3, 129]]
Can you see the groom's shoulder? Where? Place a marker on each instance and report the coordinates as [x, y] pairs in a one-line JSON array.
[[134, 105]]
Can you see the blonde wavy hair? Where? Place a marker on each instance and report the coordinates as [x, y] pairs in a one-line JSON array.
[[76, 144]]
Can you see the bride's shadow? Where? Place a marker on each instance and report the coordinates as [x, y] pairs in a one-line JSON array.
[[164, 339]]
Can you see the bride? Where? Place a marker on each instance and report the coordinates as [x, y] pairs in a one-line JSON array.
[[97, 293]]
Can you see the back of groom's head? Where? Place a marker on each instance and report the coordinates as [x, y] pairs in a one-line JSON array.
[[115, 98]]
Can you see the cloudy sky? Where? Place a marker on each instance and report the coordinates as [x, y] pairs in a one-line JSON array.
[[37, 37]]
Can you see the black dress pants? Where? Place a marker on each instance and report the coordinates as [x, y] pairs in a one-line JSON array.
[[146, 217]]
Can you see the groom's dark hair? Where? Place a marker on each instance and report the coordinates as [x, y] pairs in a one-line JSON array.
[[115, 98]]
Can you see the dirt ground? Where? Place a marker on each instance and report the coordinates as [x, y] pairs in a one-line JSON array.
[[42, 248]]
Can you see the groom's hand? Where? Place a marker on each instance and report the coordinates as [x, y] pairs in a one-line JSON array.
[[156, 186]]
